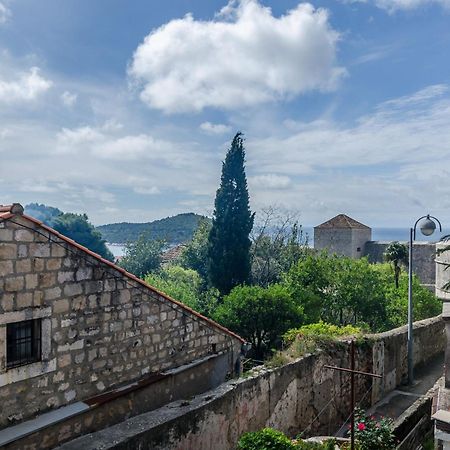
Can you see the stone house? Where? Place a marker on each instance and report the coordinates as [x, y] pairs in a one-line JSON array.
[[74, 326], [342, 235]]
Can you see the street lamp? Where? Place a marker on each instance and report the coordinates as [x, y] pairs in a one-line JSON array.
[[427, 227]]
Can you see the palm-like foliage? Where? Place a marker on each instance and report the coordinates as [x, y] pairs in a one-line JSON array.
[[397, 254], [447, 266]]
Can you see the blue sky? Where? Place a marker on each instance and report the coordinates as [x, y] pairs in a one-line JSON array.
[[124, 110]]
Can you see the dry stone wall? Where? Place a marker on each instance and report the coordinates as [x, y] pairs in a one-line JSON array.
[[100, 328]]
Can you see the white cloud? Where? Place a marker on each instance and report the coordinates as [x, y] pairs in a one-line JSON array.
[[244, 59], [27, 87], [270, 181], [404, 5], [68, 98], [215, 128], [153, 190], [5, 13]]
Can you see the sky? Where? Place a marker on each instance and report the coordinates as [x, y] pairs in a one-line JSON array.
[[125, 110]]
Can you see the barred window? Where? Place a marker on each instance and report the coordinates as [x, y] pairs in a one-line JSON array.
[[23, 343]]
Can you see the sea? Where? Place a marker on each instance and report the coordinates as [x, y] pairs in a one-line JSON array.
[[378, 234]]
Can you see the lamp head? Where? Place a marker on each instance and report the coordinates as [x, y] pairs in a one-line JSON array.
[[427, 226]]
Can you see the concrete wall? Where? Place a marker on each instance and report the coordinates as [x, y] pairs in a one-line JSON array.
[[288, 398], [424, 254], [342, 241], [442, 274], [100, 328]]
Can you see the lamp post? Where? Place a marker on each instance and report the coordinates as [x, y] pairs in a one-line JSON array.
[[427, 228]]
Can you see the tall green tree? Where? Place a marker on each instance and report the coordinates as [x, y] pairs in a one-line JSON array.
[[78, 228], [228, 242], [397, 254]]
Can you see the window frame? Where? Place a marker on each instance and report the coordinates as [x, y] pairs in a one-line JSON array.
[[27, 348]]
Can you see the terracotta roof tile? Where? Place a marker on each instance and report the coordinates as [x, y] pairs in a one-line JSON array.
[[342, 221], [6, 212]]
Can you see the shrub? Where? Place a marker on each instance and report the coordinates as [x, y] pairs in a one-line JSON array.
[[373, 434], [265, 439], [270, 439]]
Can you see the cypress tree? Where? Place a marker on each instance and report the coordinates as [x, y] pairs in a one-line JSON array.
[[228, 241]]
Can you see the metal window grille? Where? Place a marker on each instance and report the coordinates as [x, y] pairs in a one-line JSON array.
[[23, 343]]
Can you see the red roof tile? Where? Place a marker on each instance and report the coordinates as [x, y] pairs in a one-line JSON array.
[[342, 221]]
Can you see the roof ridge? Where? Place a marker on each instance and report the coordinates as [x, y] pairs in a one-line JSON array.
[[342, 221]]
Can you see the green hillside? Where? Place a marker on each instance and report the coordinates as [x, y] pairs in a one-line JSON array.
[[174, 230]]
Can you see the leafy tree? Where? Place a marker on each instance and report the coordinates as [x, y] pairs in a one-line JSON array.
[[184, 285], [277, 244], [397, 254], [260, 315], [142, 256], [78, 228], [44, 213], [338, 290], [425, 303], [195, 254], [228, 242]]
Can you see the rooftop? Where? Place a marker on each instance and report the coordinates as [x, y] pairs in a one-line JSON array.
[[342, 221]]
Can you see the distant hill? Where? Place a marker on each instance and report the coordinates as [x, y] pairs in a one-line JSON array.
[[174, 230]]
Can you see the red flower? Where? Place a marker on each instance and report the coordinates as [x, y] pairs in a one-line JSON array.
[[361, 426]]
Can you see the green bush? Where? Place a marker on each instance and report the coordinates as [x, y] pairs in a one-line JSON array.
[[321, 329], [270, 439], [259, 315], [373, 434], [265, 439]]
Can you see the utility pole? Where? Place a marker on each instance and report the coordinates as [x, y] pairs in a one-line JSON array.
[[352, 372]]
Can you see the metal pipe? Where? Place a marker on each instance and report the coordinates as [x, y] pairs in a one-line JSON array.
[[410, 309]]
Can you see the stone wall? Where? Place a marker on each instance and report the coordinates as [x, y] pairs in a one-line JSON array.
[[302, 396], [424, 254], [342, 241], [100, 327]]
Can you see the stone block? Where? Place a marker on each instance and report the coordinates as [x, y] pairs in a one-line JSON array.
[[46, 279], [38, 264], [6, 235], [24, 299], [8, 251], [38, 298], [24, 236], [6, 268], [31, 280], [73, 289], [64, 360], [23, 265], [7, 302], [54, 264], [64, 276], [52, 294], [40, 250], [83, 273], [61, 306], [58, 251], [22, 251], [14, 284]]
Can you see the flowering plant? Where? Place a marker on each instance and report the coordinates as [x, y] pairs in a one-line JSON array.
[[373, 434]]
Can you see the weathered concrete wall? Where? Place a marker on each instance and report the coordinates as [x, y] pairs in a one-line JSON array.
[[288, 398], [100, 328], [342, 241], [424, 254], [179, 383]]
